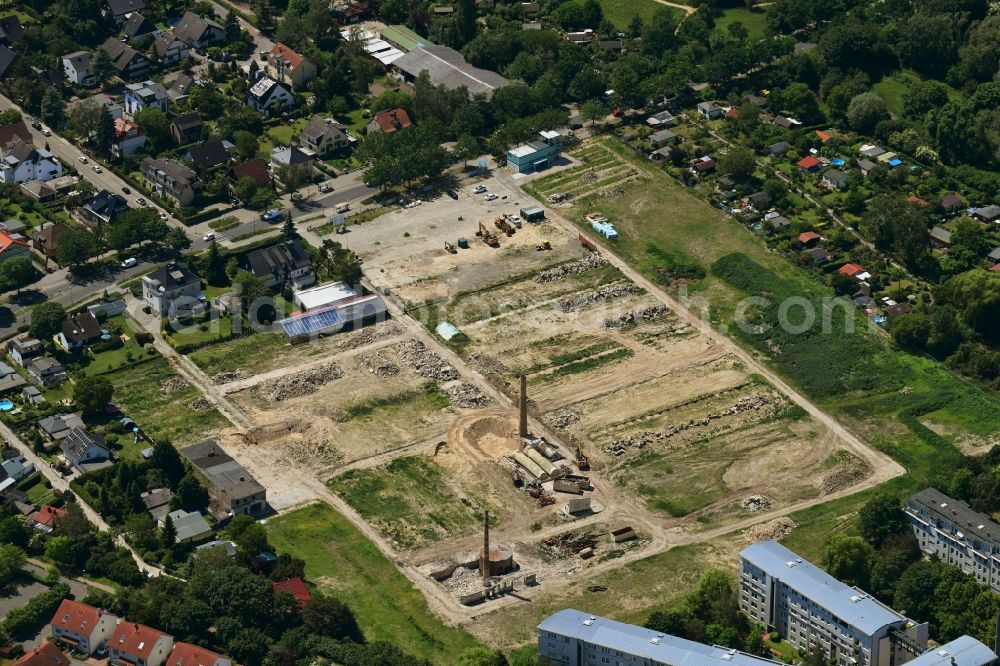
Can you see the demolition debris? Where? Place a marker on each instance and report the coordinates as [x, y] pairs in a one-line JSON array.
[[426, 363], [603, 293], [300, 383], [588, 263]]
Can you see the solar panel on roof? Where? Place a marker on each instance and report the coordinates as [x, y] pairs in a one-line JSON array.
[[311, 322]]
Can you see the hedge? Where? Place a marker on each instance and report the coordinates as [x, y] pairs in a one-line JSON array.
[[23, 622]]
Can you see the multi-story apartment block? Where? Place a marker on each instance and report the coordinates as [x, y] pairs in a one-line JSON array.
[[811, 609], [955, 533], [963, 651]]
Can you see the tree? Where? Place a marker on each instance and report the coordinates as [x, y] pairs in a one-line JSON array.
[[12, 560], [288, 230], [847, 559], [593, 110], [945, 331], [177, 240], [168, 533], [103, 67], [865, 111], [929, 43], [466, 148], [46, 319], [798, 100], [76, 246], [91, 394], [912, 331], [156, 125], [231, 28], [738, 162], [52, 108], [659, 36], [10, 116], [16, 273], [923, 96], [60, 550], [191, 495], [325, 615], [465, 23], [215, 266], [975, 295], [233, 592], [141, 531], [105, 134], [168, 461], [247, 146], [880, 517], [481, 656], [246, 188], [85, 119]]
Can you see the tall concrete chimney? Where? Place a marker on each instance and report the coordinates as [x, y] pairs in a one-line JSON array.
[[484, 564], [522, 429]]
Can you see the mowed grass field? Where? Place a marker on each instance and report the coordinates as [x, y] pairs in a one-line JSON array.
[[383, 600], [754, 20], [621, 12]]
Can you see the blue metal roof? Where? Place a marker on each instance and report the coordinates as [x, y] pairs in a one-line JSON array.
[[633, 640], [311, 322], [853, 606], [963, 651]]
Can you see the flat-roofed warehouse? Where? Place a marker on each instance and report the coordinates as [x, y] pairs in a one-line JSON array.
[[447, 67], [232, 488]]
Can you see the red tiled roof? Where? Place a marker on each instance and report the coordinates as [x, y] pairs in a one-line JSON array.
[[705, 165], [134, 639], [255, 168], [807, 236], [732, 113], [46, 654], [808, 162], [386, 118], [123, 126], [823, 136], [6, 240], [995, 267], [291, 58], [185, 654], [46, 515], [296, 588], [76, 617], [917, 201], [851, 269]]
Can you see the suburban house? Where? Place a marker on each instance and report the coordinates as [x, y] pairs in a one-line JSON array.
[[296, 588], [129, 63], [232, 488], [662, 138], [157, 502], [78, 67], [255, 169], [819, 255], [536, 155], [989, 213], [46, 654], [58, 427], [283, 157], [940, 237], [209, 154], [186, 128], [44, 519], [172, 290], [709, 110], [185, 654], [809, 238], [134, 644], [198, 32], [145, 95], [834, 179], [170, 49], [266, 93], [10, 29], [10, 380], [180, 88], [13, 132], [287, 66], [78, 331], [952, 202], [778, 149], [102, 208], [389, 121], [661, 119], [81, 626], [809, 164], [45, 371], [23, 347], [865, 166], [190, 526], [171, 179], [284, 263], [85, 451], [138, 25], [854, 271], [7, 60], [12, 248], [129, 138], [704, 164], [324, 136], [23, 162], [120, 9], [17, 468]]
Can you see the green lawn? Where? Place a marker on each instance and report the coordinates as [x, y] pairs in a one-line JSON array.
[[755, 21], [127, 354], [201, 333], [254, 354], [383, 600], [282, 135], [621, 12], [892, 88]]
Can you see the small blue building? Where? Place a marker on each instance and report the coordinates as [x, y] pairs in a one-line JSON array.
[[535, 155]]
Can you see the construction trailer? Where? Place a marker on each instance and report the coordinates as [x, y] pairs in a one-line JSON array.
[[533, 214]]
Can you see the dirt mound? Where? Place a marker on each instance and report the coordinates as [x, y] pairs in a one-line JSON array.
[[227, 377], [486, 437], [756, 503], [467, 396], [488, 364], [850, 472], [301, 443], [563, 419], [602, 293], [633, 317], [200, 404], [426, 363], [172, 385], [368, 335], [378, 364], [299, 383], [588, 263], [773, 530]]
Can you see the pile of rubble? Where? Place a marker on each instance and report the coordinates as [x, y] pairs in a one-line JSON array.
[[173, 385], [588, 263], [467, 396], [633, 317], [488, 364], [200, 404], [299, 383], [639, 440], [756, 503], [770, 531], [426, 363], [562, 419], [588, 177], [378, 364], [614, 193], [227, 377], [369, 334], [846, 475], [602, 293]]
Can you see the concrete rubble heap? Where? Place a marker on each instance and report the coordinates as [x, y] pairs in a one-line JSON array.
[[378, 364], [300, 383], [426, 363], [633, 317], [563, 419], [466, 395], [172, 385], [588, 263], [368, 335], [227, 377], [775, 529], [488, 364], [602, 293], [200, 405], [756, 503]]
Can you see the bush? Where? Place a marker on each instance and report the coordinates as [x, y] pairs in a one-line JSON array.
[[23, 622]]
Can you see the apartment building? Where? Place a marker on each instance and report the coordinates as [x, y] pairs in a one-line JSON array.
[[574, 638], [811, 609], [963, 651], [957, 534]]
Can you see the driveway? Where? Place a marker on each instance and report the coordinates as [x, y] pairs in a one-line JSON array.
[[25, 592]]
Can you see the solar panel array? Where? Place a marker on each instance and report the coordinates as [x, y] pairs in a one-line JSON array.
[[311, 322]]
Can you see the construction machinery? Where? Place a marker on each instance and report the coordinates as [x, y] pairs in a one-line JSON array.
[[450, 247], [581, 459], [545, 245], [503, 225], [488, 236]]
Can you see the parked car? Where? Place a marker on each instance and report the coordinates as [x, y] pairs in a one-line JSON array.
[[126, 190], [96, 169], [478, 189], [45, 131], [491, 197], [141, 202], [83, 160], [37, 125], [453, 194], [163, 216], [130, 262], [210, 235], [325, 187]]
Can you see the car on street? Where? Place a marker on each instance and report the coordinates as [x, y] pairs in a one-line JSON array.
[[83, 160], [45, 131], [163, 216], [273, 215], [453, 194], [96, 169], [491, 197], [130, 262], [126, 190], [209, 235], [325, 187], [37, 125], [141, 202], [478, 189]]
